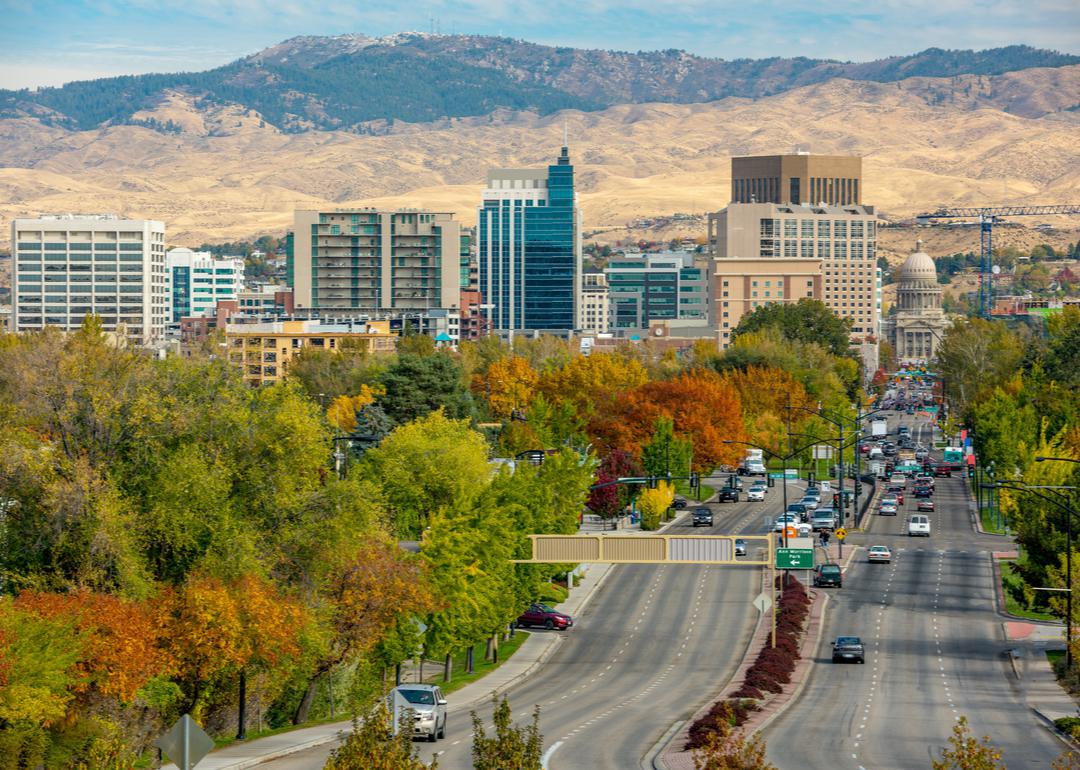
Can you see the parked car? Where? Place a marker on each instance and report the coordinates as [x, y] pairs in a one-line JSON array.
[[740, 547], [429, 707], [879, 553], [925, 505], [544, 616], [828, 575], [755, 494], [918, 525], [727, 495], [702, 517], [848, 648]]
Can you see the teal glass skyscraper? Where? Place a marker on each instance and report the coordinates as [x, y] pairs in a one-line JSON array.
[[529, 246]]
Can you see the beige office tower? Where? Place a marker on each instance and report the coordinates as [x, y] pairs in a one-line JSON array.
[[766, 253], [367, 259], [834, 180], [69, 266]]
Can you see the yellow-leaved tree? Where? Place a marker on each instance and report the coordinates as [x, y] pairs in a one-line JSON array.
[[510, 384], [342, 412], [653, 504]]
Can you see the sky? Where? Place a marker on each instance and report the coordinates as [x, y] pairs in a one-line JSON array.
[[49, 42]]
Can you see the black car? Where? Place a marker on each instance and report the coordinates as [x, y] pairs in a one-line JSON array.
[[678, 502], [702, 517], [800, 510], [828, 576], [727, 495], [923, 490], [848, 648]]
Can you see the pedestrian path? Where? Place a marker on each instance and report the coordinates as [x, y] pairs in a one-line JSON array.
[[532, 653]]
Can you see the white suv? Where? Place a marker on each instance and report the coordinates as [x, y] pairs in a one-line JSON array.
[[918, 525], [429, 707]]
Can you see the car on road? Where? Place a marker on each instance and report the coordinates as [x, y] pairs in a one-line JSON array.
[[890, 500], [785, 520], [702, 517], [918, 526], [925, 505], [942, 471], [828, 576], [755, 494], [848, 648], [543, 616], [823, 518], [924, 490], [740, 547], [888, 509], [921, 454], [903, 430], [811, 503], [897, 491], [800, 510], [679, 502], [878, 554], [727, 495], [428, 706]]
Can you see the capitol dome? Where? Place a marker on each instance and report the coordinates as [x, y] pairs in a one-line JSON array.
[[918, 267]]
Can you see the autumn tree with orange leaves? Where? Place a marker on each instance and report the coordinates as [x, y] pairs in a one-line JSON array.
[[509, 385]]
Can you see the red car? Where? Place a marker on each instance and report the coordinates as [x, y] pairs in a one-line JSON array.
[[925, 505], [542, 615]]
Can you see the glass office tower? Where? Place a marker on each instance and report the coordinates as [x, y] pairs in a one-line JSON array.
[[530, 249]]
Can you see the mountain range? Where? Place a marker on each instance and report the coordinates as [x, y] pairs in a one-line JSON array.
[[363, 84], [216, 168]]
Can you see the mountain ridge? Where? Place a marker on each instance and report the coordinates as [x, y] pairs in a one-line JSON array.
[[359, 83]]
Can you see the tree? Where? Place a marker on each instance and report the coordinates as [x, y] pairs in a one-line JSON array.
[[654, 504], [512, 747], [966, 752], [510, 385], [808, 320], [418, 385], [727, 748], [344, 409], [372, 745], [426, 464], [592, 384], [605, 502], [665, 454], [975, 356]]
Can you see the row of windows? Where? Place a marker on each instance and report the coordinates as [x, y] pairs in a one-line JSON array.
[[826, 228]]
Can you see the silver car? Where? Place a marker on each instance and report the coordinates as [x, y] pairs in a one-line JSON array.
[[428, 705]]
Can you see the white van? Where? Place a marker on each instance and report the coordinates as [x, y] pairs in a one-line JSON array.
[[918, 525]]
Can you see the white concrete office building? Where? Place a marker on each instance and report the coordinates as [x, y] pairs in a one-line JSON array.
[[198, 281], [68, 266]]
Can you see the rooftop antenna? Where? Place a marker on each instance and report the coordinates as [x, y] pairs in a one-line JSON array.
[[565, 141]]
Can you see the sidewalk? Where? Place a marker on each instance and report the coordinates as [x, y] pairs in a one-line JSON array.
[[532, 653], [1044, 695]]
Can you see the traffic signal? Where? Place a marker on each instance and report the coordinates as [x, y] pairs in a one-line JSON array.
[[770, 481], [971, 471], [810, 479]]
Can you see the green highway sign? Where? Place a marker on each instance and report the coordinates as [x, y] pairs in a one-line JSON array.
[[794, 558], [791, 473]]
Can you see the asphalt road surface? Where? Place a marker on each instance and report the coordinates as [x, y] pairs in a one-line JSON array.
[[651, 647], [934, 652]]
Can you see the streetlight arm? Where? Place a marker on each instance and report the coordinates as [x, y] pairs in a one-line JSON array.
[[1041, 459]]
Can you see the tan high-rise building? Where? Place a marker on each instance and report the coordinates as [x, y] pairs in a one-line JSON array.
[[368, 259], [755, 243], [834, 180]]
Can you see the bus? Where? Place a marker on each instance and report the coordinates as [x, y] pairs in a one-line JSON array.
[[953, 456]]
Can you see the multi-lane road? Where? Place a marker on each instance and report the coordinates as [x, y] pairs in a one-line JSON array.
[[933, 652], [650, 648], [656, 643]]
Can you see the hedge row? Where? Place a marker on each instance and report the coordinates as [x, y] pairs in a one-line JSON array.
[[771, 669]]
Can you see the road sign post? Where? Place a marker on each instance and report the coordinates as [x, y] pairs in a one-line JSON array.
[[186, 743], [840, 534]]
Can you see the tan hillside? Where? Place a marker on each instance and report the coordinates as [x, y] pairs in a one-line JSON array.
[[231, 176]]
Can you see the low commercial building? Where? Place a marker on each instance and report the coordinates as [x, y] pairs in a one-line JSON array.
[[656, 287], [743, 285], [595, 313], [264, 351]]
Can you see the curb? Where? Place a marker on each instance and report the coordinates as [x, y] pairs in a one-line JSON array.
[[1061, 736], [654, 758], [802, 682]]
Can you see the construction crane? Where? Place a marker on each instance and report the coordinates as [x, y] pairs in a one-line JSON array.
[[988, 217]]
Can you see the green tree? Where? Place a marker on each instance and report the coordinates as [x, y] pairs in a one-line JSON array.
[[966, 752], [372, 745], [975, 356], [808, 320], [426, 464], [511, 747], [327, 374], [665, 453], [418, 385]]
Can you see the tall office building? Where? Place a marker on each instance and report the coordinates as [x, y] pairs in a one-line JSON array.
[[833, 180], [656, 287], [825, 252], [69, 266], [529, 243], [368, 259], [198, 281]]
